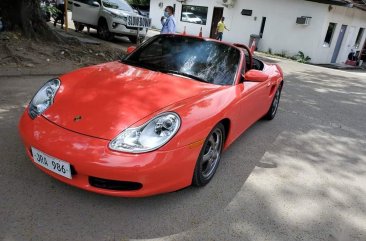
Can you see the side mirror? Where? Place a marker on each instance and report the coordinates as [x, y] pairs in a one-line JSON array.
[[95, 4], [131, 49], [255, 76]]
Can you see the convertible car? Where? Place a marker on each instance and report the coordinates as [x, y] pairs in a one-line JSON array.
[[156, 121]]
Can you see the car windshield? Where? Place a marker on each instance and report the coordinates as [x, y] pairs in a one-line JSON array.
[[117, 4], [191, 15], [195, 58]]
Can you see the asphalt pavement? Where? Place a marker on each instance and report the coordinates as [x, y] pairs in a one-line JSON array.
[[301, 176]]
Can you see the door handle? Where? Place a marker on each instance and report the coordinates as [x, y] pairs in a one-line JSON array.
[[268, 84], [76, 5]]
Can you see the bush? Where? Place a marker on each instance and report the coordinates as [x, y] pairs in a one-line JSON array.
[[283, 54], [300, 57]]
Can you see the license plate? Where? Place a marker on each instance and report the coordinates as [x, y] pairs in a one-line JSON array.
[[136, 21], [53, 164]]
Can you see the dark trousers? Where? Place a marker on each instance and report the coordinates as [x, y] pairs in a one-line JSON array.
[[219, 36], [61, 14]]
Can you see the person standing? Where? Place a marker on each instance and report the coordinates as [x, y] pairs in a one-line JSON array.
[[168, 21], [220, 29], [60, 5]]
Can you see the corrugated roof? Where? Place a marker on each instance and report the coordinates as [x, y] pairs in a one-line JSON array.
[[361, 4]]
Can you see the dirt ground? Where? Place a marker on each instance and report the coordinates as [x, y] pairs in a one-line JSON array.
[[21, 55]]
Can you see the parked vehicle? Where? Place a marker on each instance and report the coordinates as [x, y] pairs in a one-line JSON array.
[[156, 121], [190, 17], [142, 10], [109, 17]]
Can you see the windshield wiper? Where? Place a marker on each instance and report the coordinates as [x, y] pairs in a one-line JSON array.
[[169, 71]]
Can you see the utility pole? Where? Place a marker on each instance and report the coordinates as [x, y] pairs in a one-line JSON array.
[[66, 17]]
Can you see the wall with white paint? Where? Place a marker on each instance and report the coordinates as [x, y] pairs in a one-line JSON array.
[[281, 32]]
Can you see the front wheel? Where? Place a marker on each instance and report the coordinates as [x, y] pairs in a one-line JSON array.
[[209, 157], [103, 31], [274, 106], [133, 39]]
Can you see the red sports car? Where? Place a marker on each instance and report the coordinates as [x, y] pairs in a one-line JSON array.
[[156, 121]]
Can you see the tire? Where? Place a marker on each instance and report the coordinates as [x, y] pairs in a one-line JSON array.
[[133, 39], [274, 105], [209, 157], [103, 31], [78, 26]]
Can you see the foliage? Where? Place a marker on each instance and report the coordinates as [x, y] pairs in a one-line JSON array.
[[139, 2], [300, 57], [51, 9], [283, 54]]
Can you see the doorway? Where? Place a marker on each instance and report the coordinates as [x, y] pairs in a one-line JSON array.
[[339, 43], [218, 12], [363, 53]]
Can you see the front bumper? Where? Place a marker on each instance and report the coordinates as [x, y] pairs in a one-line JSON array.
[[123, 30], [90, 157]]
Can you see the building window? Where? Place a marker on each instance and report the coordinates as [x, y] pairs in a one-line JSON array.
[[262, 26], [359, 37], [329, 35], [194, 14]]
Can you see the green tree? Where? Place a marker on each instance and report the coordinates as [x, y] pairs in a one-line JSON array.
[[139, 2], [24, 15]]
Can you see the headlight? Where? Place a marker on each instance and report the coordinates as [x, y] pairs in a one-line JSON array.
[[114, 15], [148, 137], [44, 98]]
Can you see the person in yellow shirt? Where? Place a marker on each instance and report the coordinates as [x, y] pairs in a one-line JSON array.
[[220, 29]]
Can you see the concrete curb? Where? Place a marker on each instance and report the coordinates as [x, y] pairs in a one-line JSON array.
[[16, 72]]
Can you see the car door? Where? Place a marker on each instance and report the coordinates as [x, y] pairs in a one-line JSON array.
[[253, 100], [85, 12], [78, 11], [92, 12]]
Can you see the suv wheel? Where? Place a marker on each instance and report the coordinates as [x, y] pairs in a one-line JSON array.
[[78, 26], [103, 31], [133, 39]]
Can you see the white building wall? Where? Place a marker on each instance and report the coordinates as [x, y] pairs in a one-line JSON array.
[[354, 19], [281, 32]]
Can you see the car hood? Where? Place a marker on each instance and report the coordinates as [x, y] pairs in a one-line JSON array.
[[123, 13], [103, 100]]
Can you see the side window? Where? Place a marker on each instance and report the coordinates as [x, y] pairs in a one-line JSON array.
[[153, 54], [90, 2], [82, 1], [242, 72]]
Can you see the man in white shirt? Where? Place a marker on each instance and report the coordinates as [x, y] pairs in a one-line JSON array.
[[60, 4]]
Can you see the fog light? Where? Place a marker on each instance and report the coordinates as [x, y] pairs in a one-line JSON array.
[[114, 25]]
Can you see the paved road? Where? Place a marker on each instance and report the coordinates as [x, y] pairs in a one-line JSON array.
[[301, 176]]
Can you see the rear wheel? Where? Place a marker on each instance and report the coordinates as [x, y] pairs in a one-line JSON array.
[[209, 157], [103, 30], [78, 26], [274, 106]]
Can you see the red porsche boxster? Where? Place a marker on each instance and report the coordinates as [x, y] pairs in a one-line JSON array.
[[156, 121]]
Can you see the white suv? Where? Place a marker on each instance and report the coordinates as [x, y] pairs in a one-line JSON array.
[[109, 17]]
